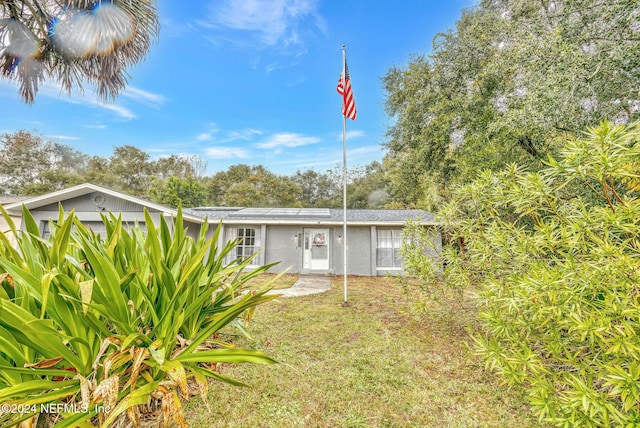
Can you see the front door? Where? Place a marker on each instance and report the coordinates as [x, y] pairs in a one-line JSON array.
[[316, 250]]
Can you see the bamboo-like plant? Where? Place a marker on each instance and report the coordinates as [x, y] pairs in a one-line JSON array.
[[95, 329], [553, 259]]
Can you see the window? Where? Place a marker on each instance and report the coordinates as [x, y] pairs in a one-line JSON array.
[[388, 249], [45, 231], [248, 239], [246, 242], [98, 227]]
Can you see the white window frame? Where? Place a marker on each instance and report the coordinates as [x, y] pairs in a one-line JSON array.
[[247, 245], [45, 231], [394, 238]]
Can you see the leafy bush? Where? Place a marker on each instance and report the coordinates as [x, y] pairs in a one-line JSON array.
[[556, 258], [424, 280], [102, 332]]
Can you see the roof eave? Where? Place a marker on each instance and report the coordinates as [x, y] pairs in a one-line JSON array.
[[316, 222], [83, 189]]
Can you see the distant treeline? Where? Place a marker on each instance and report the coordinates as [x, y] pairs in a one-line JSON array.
[[32, 165]]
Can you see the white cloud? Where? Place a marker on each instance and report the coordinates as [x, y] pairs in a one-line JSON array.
[[205, 136], [270, 22], [121, 111], [287, 139], [95, 126], [226, 152], [244, 135], [51, 89], [164, 153], [272, 67], [355, 134], [212, 128], [323, 164], [325, 158], [144, 97], [228, 136], [351, 134], [365, 149], [63, 137]]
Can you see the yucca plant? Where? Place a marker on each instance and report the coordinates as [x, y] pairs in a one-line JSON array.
[[96, 329]]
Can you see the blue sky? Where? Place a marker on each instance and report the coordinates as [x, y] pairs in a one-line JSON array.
[[248, 81]]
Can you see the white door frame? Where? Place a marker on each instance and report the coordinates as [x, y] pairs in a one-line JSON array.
[[316, 250]]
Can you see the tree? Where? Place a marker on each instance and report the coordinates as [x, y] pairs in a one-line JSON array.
[[100, 173], [552, 259], [23, 159], [512, 79], [74, 41], [367, 187], [182, 166], [31, 165], [251, 186], [176, 191], [132, 169], [316, 189], [67, 167]]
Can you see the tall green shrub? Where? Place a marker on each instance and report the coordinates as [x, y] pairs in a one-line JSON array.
[[554, 258], [98, 329]]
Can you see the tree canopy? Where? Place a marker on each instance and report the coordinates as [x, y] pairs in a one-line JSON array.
[[551, 260], [523, 126], [505, 84], [32, 165]]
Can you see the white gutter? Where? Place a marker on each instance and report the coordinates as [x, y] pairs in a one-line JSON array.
[[317, 223]]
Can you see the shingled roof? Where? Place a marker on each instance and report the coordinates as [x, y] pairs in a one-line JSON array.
[[10, 199], [327, 216]]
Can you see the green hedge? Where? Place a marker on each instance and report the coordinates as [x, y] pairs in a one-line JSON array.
[[553, 258]]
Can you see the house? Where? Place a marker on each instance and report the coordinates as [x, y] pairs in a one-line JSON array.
[[309, 240], [89, 201], [16, 219], [302, 240]]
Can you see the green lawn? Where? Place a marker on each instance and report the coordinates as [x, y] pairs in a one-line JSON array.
[[369, 364], [284, 281]]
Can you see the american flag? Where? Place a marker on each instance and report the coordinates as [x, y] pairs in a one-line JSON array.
[[348, 104]]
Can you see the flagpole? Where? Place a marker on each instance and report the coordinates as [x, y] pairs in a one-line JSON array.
[[344, 179]]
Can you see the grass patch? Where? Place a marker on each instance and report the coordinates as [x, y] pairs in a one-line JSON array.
[[370, 364], [285, 281]]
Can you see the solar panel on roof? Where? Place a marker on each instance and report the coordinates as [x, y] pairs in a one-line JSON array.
[[315, 212], [282, 212], [249, 212]]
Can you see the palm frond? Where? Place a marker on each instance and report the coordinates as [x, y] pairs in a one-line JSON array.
[[74, 43]]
